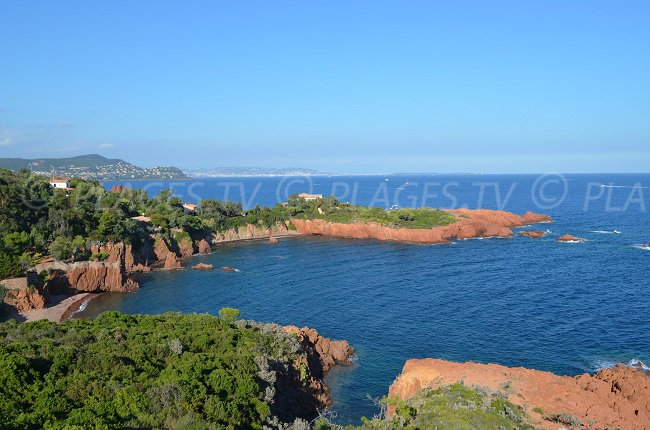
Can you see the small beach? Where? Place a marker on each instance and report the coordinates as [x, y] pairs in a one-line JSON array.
[[62, 310]]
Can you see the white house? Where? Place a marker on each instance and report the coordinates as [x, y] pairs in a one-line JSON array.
[[60, 183], [189, 208], [309, 197]]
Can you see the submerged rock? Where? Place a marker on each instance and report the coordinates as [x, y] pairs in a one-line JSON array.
[[534, 234], [228, 269], [569, 238]]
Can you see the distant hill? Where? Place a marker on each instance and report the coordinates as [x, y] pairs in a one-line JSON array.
[[91, 166], [251, 171]]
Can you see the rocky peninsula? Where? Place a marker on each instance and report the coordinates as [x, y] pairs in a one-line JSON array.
[[469, 224], [617, 397]]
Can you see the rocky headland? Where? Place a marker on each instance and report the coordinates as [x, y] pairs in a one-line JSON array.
[[470, 224], [614, 398]]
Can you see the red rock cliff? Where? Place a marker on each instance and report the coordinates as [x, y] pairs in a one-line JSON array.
[[86, 276], [470, 224], [249, 232], [24, 294], [612, 398]]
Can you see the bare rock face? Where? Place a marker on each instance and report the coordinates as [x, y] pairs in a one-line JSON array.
[[124, 254], [319, 356], [533, 234], [569, 238], [612, 398], [203, 247], [22, 295], [166, 255], [249, 231], [326, 351], [203, 266], [118, 189], [87, 276], [172, 262], [470, 224], [186, 248]]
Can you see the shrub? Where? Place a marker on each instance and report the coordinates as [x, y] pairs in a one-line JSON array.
[[229, 315], [99, 256], [564, 418], [61, 248]]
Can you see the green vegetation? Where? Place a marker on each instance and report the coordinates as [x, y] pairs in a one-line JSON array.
[[333, 211], [229, 314], [36, 220], [166, 371], [452, 407]]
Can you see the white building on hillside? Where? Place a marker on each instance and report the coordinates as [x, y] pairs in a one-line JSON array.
[[309, 197], [60, 183]]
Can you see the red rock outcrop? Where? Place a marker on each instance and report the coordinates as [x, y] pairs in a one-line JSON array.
[[328, 352], [125, 255], [164, 254], [321, 355], [22, 296], [612, 398], [228, 269], [469, 224], [569, 238], [118, 189], [249, 232], [86, 276], [203, 247], [534, 234], [186, 248], [203, 266]]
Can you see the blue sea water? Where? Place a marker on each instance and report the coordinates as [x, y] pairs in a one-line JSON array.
[[565, 308]]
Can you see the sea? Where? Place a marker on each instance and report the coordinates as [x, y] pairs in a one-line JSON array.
[[567, 308]]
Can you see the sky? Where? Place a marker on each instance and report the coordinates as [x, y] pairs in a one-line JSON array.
[[340, 86]]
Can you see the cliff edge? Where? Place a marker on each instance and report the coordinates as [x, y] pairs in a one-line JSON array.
[[612, 398]]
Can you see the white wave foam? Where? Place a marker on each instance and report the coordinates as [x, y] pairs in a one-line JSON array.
[[643, 246], [82, 307], [634, 363], [607, 231], [620, 186]]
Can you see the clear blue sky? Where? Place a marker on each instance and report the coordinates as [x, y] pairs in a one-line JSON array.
[[349, 86]]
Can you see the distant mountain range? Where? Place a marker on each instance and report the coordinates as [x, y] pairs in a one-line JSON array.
[[217, 172], [91, 166]]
